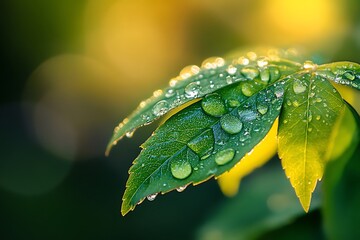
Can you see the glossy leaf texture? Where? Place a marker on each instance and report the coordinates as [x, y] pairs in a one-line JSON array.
[[203, 140], [311, 108], [345, 73], [195, 82]]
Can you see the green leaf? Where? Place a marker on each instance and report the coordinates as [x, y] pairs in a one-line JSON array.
[[196, 143], [341, 186], [265, 202], [195, 82], [345, 73], [311, 108]]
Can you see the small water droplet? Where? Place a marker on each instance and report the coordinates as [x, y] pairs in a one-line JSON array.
[[243, 61], [130, 134], [160, 108], [173, 82], [274, 73], [250, 72], [309, 65], [265, 75], [157, 93], [318, 117], [318, 100], [309, 129], [181, 189], [232, 103], [279, 91], [170, 92], [288, 102], [295, 103], [252, 56], [180, 169], [192, 90], [231, 70], [247, 115], [262, 62], [349, 75], [116, 129], [213, 105], [298, 87], [152, 197], [262, 109], [224, 156], [189, 71], [285, 121], [230, 124], [247, 89], [213, 62]]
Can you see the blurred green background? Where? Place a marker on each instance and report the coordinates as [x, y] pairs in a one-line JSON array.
[[71, 70]]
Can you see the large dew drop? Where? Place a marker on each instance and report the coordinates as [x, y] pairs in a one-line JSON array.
[[298, 87], [230, 124], [160, 108], [180, 169], [213, 62], [224, 156], [213, 105], [247, 89]]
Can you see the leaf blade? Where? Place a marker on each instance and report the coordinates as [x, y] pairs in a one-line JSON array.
[[311, 107], [163, 149]]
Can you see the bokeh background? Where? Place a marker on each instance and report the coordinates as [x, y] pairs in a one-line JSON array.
[[71, 70]]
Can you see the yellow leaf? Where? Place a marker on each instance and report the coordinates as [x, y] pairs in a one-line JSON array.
[[229, 182]]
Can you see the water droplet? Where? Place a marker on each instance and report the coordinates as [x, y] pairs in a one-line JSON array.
[[160, 108], [224, 156], [130, 134], [152, 197], [279, 91], [180, 169], [247, 89], [309, 65], [252, 56], [295, 103], [231, 70], [262, 109], [318, 117], [250, 72], [265, 75], [213, 105], [288, 102], [285, 121], [189, 71], [181, 189], [243, 61], [170, 92], [203, 144], [192, 90], [349, 75], [309, 117], [274, 73], [142, 104], [262, 62], [213, 62], [298, 87], [230, 124], [173, 82], [116, 129], [309, 129], [318, 100], [157, 93], [233, 103], [247, 115]]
